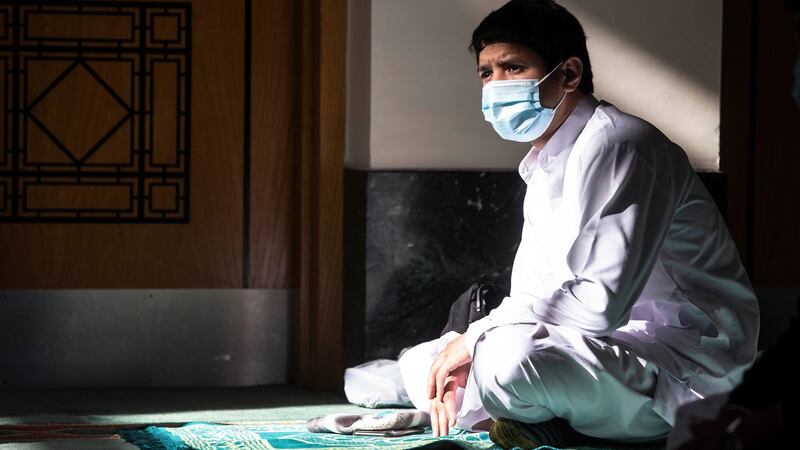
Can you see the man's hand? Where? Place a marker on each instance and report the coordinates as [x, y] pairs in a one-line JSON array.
[[448, 372]]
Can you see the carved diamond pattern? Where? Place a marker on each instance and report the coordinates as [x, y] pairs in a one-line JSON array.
[[82, 92]]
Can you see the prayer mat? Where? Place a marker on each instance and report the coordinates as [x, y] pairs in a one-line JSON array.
[[240, 436], [292, 435]]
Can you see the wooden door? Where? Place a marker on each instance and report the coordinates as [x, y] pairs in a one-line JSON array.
[[131, 158], [174, 145]]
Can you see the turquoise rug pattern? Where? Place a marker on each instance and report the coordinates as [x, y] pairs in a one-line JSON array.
[[208, 436]]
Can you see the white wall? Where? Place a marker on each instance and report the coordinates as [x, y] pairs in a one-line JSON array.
[[414, 95]]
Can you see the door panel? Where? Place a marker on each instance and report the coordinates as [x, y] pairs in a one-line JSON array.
[[274, 214], [122, 164]]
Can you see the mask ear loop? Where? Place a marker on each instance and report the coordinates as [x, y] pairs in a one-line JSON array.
[[563, 97], [551, 72]]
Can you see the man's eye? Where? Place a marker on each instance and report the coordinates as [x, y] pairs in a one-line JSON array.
[[514, 68], [486, 74]]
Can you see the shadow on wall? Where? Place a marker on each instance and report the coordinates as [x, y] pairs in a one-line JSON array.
[[647, 29], [661, 61]]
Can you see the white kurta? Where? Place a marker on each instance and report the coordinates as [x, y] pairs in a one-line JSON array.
[[622, 242]]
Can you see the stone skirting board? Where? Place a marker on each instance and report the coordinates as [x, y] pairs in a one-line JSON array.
[[414, 240], [133, 338]]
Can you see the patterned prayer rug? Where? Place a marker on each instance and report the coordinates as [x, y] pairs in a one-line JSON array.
[[238, 436], [206, 436]]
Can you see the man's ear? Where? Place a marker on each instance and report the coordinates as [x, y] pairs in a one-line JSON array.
[[573, 70]]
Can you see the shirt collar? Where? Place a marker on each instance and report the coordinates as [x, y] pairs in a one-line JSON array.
[[562, 141]]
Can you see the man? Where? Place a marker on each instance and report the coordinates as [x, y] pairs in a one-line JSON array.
[[627, 298]]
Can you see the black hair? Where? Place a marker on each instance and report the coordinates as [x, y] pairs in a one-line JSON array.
[[543, 26]]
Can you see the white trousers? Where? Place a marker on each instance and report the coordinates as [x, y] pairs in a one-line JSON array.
[[532, 373]]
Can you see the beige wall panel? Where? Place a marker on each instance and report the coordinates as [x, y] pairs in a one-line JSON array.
[[414, 96]]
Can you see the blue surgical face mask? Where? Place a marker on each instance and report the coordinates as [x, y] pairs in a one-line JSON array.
[[514, 109]]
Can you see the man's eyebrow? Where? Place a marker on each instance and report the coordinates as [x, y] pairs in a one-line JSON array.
[[504, 61]]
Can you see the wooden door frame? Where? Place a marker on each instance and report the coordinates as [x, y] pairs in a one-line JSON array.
[[317, 353], [737, 109]]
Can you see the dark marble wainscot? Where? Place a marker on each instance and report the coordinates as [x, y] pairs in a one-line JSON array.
[[414, 242]]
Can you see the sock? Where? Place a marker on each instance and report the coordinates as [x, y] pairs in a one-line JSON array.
[[555, 432]]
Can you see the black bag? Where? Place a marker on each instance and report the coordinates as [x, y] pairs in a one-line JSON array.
[[475, 303]]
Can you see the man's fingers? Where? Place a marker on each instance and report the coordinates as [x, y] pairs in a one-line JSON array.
[[440, 377], [450, 407], [434, 418], [442, 419], [432, 377], [438, 418], [436, 367]]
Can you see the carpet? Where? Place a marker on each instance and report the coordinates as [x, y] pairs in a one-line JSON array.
[[273, 435], [291, 435]]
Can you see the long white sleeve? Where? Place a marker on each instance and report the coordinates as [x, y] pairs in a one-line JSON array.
[[624, 206]]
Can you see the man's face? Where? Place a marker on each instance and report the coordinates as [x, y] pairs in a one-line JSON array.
[[503, 61]]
